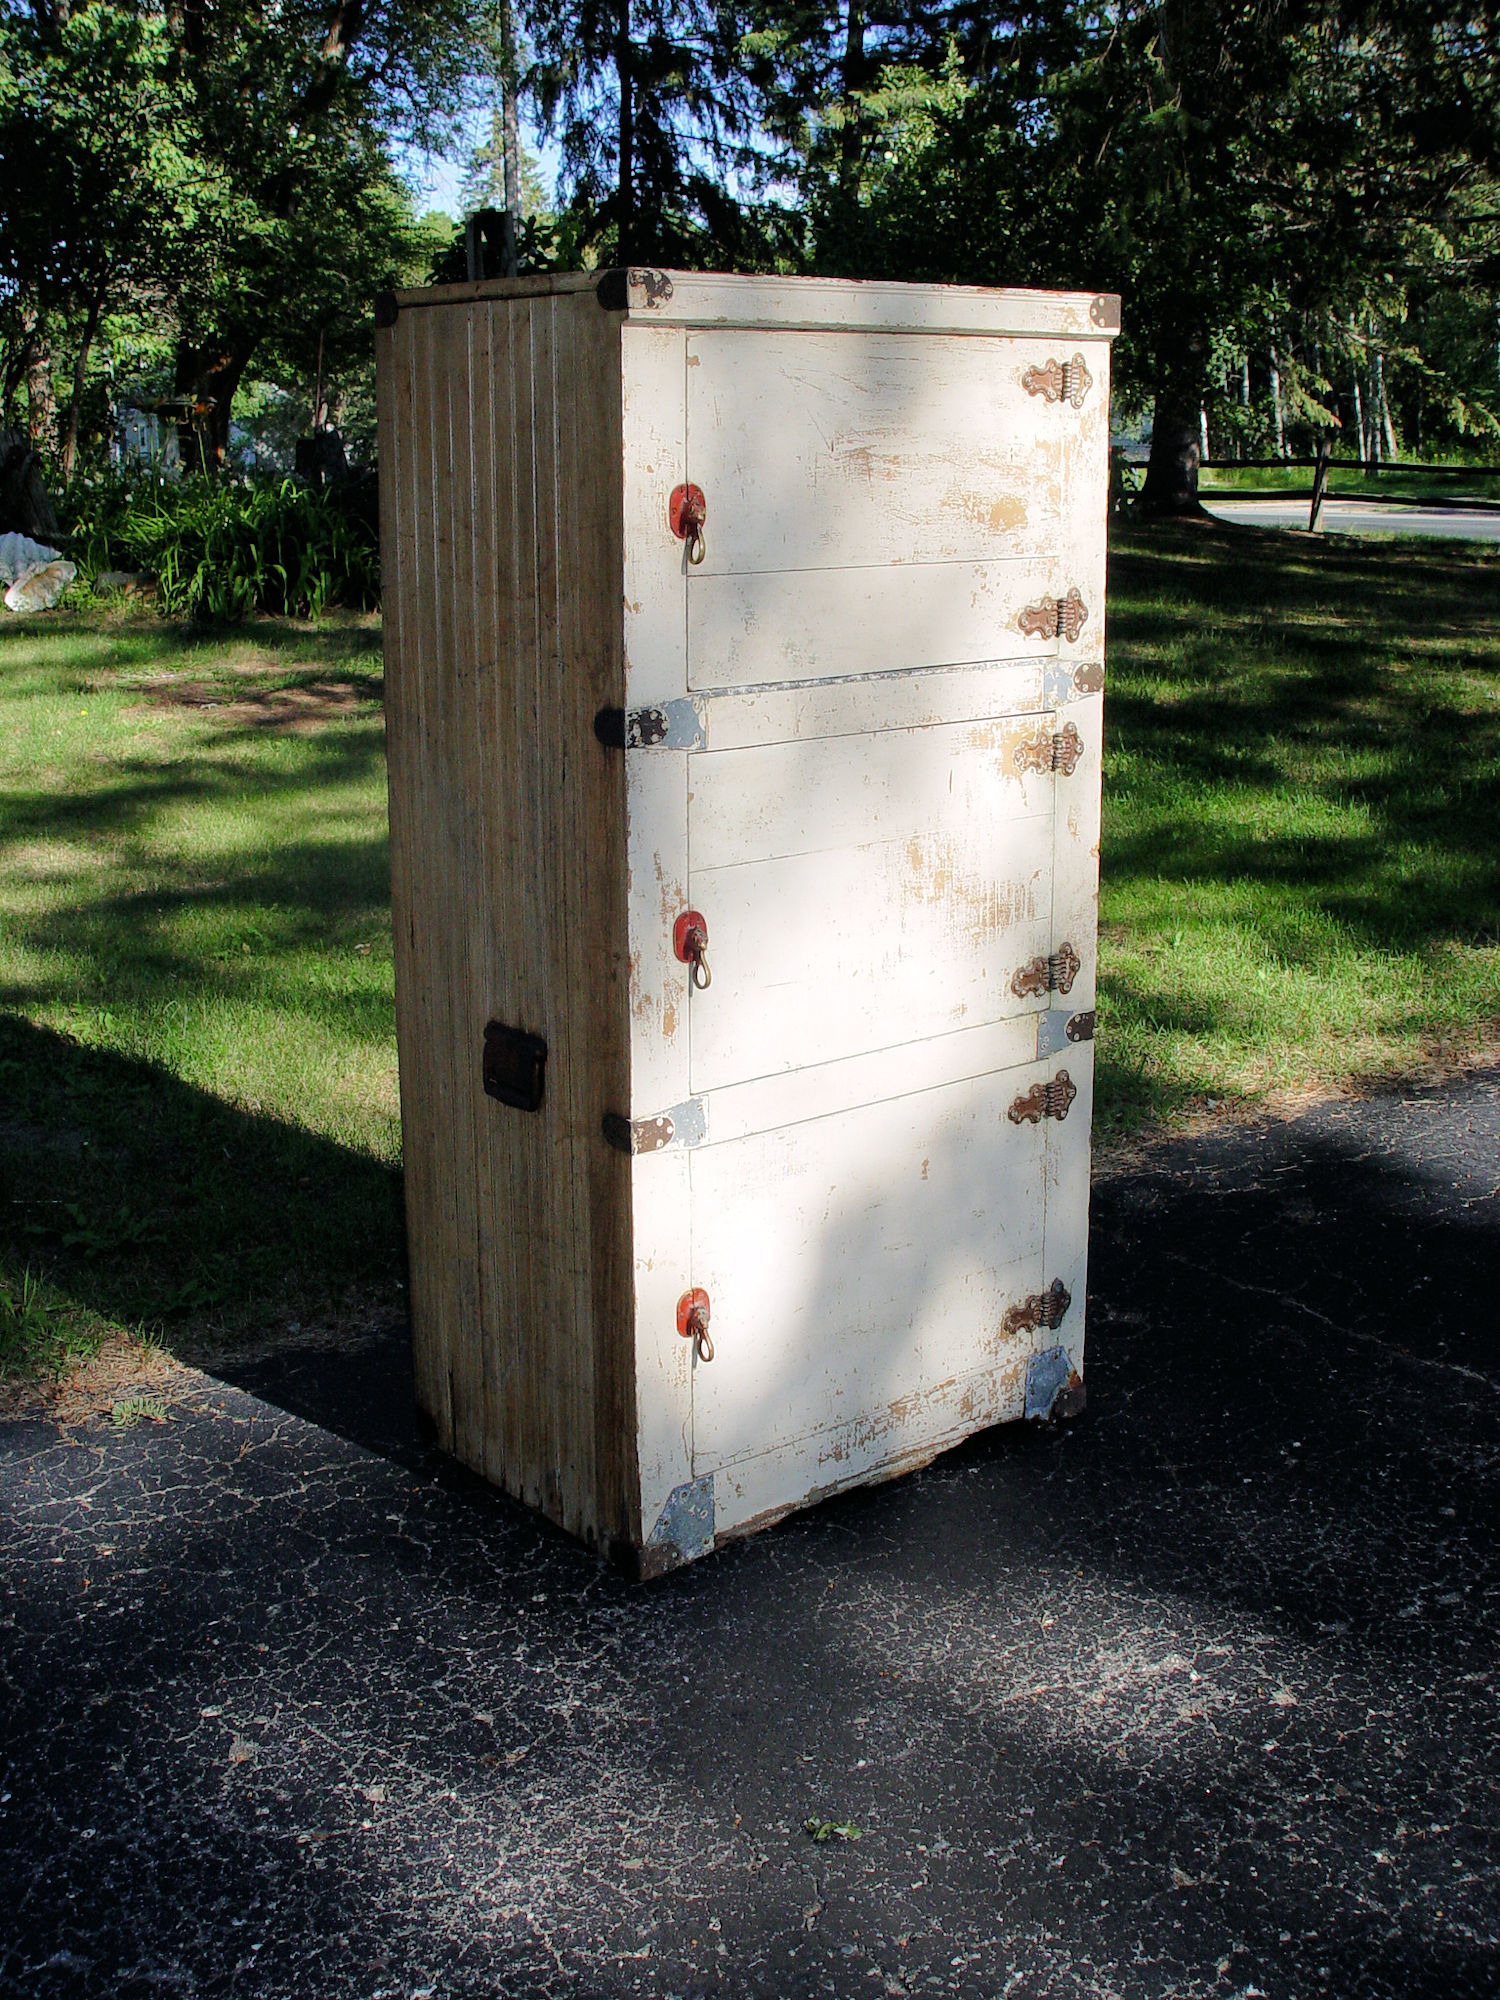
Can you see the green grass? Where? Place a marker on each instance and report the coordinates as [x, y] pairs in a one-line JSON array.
[[198, 1111], [199, 1133], [1301, 879], [1350, 482]]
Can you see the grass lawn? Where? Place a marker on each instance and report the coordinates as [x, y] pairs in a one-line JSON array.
[[199, 1135], [1350, 482], [1301, 851], [199, 1129]]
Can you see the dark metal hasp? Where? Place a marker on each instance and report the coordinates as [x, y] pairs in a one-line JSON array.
[[515, 1066]]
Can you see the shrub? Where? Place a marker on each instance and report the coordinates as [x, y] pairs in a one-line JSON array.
[[224, 551]]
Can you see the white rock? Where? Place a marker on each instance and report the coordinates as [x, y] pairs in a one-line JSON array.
[[38, 588]]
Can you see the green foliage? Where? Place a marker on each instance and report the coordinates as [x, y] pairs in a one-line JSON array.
[[223, 552], [40, 1331]]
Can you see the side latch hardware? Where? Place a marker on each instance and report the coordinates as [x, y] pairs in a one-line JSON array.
[[1047, 1309], [515, 1066], [1051, 753], [690, 943], [687, 510], [693, 1314], [1080, 1027], [1059, 382], [1055, 617], [1053, 974], [1044, 1100]]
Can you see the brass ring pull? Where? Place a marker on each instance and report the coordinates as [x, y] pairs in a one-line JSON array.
[[697, 547], [699, 973], [705, 1344]]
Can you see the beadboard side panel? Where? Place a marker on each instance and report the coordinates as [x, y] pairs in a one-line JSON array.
[[501, 542]]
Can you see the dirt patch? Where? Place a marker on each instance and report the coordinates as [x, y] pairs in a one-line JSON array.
[[126, 1382], [292, 711]]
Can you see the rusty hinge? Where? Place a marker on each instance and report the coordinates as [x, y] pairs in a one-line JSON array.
[[1044, 1100], [1053, 974], [1051, 753], [1046, 1309], [1059, 382], [1055, 617]]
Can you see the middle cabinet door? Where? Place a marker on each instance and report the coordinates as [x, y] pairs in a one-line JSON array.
[[867, 891]]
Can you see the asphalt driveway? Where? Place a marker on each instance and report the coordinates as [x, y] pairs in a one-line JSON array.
[[1196, 1696]]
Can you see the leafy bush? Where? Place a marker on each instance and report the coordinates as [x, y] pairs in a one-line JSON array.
[[223, 551]]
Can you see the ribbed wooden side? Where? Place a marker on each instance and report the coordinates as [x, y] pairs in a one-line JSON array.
[[500, 464]]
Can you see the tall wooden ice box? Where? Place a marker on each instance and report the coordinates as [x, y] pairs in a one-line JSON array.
[[744, 657]]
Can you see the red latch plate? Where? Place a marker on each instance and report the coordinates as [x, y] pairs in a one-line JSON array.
[[687, 510]]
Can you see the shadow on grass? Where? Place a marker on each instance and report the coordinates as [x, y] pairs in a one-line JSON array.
[[149, 1201], [1302, 741]]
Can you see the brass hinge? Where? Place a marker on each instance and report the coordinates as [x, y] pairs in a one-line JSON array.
[[1046, 1309], [1044, 1100], [1055, 617], [1053, 974], [1059, 382], [1051, 753]]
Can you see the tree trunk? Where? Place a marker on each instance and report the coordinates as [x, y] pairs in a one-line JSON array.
[[510, 149], [625, 196], [1276, 406], [41, 404], [1171, 487], [80, 367], [853, 80], [208, 374]]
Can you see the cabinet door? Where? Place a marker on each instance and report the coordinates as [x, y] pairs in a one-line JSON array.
[[865, 891], [887, 501], [861, 1268]]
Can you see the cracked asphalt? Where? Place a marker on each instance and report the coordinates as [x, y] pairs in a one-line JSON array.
[[1196, 1696]]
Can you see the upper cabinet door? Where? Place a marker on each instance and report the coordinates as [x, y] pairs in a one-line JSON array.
[[887, 501]]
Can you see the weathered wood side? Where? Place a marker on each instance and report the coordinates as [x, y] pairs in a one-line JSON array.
[[501, 457]]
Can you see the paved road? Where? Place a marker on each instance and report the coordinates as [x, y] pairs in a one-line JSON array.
[[1364, 517], [1195, 1697]]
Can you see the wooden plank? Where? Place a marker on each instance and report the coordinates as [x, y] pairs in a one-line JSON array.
[[859, 1260], [853, 306], [457, 814], [810, 624], [770, 1102], [698, 298], [815, 451], [597, 937], [858, 706], [811, 798], [1068, 1156], [403, 654], [653, 447], [433, 1245]]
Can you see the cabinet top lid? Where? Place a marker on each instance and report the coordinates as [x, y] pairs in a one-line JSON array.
[[709, 299]]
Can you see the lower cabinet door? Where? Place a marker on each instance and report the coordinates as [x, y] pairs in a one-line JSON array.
[[873, 1279]]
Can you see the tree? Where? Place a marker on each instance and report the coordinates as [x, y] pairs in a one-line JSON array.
[[297, 104], [648, 100], [99, 179]]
